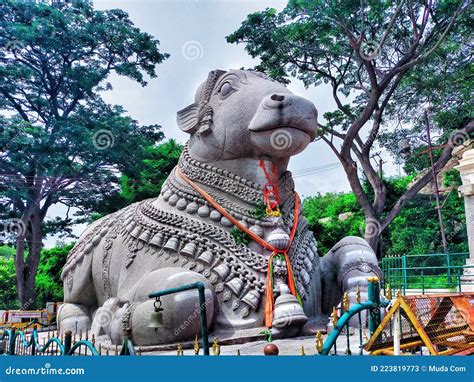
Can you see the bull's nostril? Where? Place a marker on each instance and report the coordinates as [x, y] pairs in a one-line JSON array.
[[277, 97]]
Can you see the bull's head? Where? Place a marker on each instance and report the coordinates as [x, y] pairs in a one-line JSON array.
[[244, 114]]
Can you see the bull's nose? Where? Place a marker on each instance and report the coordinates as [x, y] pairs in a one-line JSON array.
[[276, 101], [277, 97]]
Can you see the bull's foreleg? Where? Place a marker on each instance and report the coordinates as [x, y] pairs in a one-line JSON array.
[[79, 299], [180, 316], [344, 268]]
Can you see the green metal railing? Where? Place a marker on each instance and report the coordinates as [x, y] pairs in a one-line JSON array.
[[402, 267], [373, 306], [19, 342], [450, 277]]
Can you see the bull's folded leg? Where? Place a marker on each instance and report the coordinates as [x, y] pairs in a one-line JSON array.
[[73, 317], [180, 315], [344, 268]]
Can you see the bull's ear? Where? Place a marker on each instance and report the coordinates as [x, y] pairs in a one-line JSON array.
[[188, 118]]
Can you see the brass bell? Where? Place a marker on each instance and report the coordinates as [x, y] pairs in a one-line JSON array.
[[288, 311], [156, 319]]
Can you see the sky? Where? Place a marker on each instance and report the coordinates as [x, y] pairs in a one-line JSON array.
[[193, 33]]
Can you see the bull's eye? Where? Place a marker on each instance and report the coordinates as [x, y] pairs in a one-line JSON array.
[[226, 89]]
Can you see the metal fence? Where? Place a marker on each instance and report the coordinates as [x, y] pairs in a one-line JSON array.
[[22, 342], [439, 323], [373, 306], [421, 272], [29, 342]]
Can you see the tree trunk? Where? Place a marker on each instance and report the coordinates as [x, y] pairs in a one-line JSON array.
[[373, 230], [26, 268], [25, 281]]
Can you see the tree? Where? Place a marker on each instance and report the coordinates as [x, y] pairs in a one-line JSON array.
[[61, 143], [375, 56], [412, 232], [49, 286], [154, 169], [8, 295]]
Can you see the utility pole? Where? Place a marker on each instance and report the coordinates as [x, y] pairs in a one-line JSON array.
[[380, 162], [435, 184]]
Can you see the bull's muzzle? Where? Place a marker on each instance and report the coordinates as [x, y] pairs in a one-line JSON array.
[[285, 110]]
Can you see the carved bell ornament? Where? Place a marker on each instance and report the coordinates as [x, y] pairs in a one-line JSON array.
[[222, 271], [288, 312], [278, 239], [157, 240], [172, 244], [189, 249], [235, 285], [206, 257]]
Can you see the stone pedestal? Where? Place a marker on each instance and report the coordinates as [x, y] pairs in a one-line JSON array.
[[466, 168]]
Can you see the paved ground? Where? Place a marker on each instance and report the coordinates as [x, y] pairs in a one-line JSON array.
[[293, 346]]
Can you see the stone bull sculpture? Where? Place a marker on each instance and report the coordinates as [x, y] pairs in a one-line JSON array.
[[228, 216]]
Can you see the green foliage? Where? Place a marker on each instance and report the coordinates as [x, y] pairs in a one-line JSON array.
[[7, 252], [414, 231], [61, 143], [55, 61], [240, 237], [146, 183], [332, 229], [259, 211], [8, 296], [452, 178], [158, 163], [49, 286], [268, 334]]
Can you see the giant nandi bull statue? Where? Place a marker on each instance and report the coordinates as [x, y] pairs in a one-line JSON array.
[[260, 265]]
